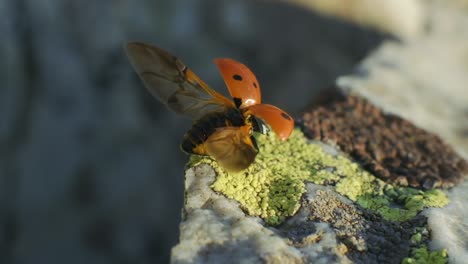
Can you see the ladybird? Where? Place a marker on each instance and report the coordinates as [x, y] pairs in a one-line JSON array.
[[222, 128]]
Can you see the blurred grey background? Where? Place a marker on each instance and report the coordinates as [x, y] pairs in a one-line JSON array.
[[90, 166]]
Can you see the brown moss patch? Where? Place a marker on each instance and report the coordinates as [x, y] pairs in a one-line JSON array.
[[390, 147]]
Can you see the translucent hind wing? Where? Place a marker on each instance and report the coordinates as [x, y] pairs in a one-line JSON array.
[[170, 81]]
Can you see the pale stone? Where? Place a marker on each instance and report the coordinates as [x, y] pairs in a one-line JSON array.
[[404, 18], [215, 230], [424, 80]]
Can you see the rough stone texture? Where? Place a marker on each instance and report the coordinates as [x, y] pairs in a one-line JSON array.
[[216, 230], [272, 190], [328, 228], [424, 81], [449, 225], [403, 80], [368, 238], [388, 146], [375, 224]]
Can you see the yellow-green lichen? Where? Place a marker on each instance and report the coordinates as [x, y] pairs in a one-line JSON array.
[[273, 185]]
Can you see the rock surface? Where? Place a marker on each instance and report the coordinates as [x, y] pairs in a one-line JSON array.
[[327, 229], [215, 229], [449, 224], [357, 218], [403, 18], [388, 146], [430, 91], [367, 237], [334, 225]]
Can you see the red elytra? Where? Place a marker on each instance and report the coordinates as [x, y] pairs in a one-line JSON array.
[[245, 91]]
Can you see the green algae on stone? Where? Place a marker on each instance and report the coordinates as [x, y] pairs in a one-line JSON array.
[[416, 238], [402, 203], [274, 184], [420, 254], [423, 255]]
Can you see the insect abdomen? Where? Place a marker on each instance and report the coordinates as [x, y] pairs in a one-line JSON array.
[[203, 128]]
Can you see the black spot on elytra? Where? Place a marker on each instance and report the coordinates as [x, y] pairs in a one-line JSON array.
[[237, 77], [255, 85], [237, 101], [285, 116]]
